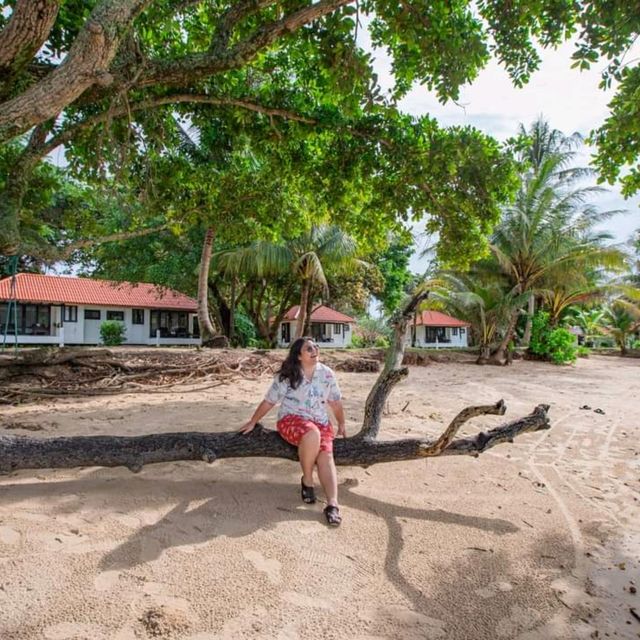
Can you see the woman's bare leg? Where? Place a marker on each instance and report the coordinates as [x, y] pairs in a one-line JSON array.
[[328, 477], [308, 452]]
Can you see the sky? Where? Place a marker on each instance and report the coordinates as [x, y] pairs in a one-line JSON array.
[[569, 100]]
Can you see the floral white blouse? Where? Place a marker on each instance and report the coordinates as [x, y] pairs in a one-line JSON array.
[[310, 399]]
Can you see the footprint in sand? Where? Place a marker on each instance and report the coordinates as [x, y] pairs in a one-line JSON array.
[[9, 536], [265, 565]]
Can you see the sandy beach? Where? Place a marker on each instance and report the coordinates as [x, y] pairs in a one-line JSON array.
[[533, 540]]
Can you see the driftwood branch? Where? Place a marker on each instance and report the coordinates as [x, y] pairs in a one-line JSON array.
[[18, 452], [393, 371]]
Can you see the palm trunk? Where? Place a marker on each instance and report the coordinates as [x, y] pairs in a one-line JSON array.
[[232, 310], [485, 354], [306, 331], [531, 309], [207, 329], [302, 312], [498, 356]]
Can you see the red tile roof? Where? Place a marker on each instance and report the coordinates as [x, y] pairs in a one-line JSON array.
[[33, 287], [439, 319], [319, 314]]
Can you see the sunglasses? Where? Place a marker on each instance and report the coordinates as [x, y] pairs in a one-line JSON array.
[[310, 348]]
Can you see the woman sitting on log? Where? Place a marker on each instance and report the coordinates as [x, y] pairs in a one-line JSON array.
[[304, 387]]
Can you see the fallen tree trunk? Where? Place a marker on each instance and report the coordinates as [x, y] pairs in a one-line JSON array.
[[362, 449], [21, 452]]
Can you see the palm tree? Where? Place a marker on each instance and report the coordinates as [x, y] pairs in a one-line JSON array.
[[488, 307], [622, 320], [307, 256], [589, 320], [546, 235]]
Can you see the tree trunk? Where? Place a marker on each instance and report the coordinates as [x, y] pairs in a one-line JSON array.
[[302, 312], [232, 310], [20, 452], [17, 452], [498, 356], [207, 329], [531, 309], [485, 354], [306, 331]]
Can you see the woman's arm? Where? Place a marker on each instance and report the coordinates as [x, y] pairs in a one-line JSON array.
[[263, 408], [338, 412]]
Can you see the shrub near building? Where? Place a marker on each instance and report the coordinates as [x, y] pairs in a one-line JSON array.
[[555, 344]]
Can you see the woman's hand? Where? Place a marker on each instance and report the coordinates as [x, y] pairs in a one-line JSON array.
[[248, 427], [341, 430]]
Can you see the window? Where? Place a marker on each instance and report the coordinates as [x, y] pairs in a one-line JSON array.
[[32, 319], [346, 328], [92, 314], [462, 331], [337, 329], [137, 316], [170, 323], [70, 314], [435, 334], [115, 315], [454, 331]]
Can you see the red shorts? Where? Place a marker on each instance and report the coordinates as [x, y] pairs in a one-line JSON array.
[[293, 427]]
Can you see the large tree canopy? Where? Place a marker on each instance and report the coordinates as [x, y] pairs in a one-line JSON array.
[[109, 79]]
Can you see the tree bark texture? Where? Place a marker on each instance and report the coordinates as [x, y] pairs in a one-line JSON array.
[[86, 64], [26, 31]]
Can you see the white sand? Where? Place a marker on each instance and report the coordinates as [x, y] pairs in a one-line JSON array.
[[535, 540]]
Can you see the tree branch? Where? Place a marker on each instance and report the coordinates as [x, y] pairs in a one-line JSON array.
[[201, 65], [113, 237], [86, 64], [393, 371], [19, 452], [27, 30], [231, 17], [68, 134]]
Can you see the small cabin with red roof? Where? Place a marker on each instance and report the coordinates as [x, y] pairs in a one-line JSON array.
[[436, 329], [67, 310], [328, 327]]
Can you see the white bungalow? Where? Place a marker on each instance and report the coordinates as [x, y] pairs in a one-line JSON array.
[[328, 327], [437, 330], [64, 310]]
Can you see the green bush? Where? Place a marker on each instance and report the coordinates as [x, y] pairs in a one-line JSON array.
[[112, 333], [369, 331], [583, 352], [561, 346], [557, 345], [357, 342], [382, 342], [245, 331]]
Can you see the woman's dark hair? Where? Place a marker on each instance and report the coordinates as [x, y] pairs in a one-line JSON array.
[[291, 369]]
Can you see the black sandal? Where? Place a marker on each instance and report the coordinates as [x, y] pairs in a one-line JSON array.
[[332, 514], [308, 493]]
